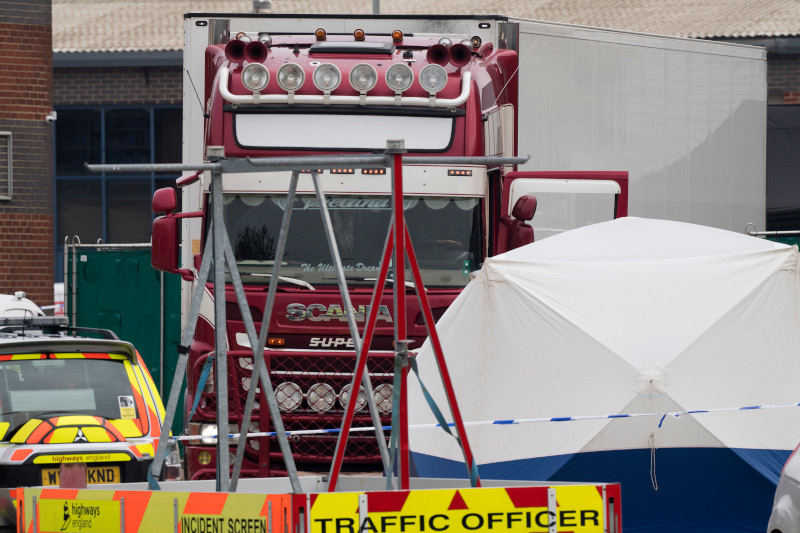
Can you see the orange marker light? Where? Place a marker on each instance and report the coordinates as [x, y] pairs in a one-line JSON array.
[[359, 35], [320, 34], [276, 341], [397, 36]]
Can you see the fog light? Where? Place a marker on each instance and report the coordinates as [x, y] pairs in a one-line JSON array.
[[204, 458], [384, 397], [289, 396], [361, 399], [321, 397]]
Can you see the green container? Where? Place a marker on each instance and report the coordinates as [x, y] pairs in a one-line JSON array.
[[118, 289]]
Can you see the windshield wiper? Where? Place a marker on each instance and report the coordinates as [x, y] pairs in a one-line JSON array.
[[295, 281]]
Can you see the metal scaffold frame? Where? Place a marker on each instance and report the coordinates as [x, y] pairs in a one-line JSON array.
[[398, 248]]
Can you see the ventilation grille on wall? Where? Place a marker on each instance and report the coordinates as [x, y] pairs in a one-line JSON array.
[[6, 176]]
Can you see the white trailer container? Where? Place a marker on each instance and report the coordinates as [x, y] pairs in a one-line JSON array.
[[686, 118]]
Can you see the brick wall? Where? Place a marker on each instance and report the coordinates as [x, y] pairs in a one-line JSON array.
[[117, 86], [783, 76], [26, 220]]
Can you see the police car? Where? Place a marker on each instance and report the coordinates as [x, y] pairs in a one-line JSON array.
[[74, 395]]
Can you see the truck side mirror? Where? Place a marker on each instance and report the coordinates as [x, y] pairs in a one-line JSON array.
[[525, 208], [165, 201], [519, 233], [165, 242]]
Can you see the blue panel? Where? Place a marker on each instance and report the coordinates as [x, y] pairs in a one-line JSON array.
[[700, 490]]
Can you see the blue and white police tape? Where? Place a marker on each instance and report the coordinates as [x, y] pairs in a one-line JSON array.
[[512, 421]]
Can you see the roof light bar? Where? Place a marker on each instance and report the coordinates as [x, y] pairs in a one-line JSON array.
[[466, 83]]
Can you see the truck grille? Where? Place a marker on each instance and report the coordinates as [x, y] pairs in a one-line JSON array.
[[312, 390]]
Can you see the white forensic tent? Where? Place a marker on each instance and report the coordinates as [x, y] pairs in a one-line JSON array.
[[626, 317]]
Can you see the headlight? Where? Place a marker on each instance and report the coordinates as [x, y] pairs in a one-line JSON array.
[[288, 396], [208, 430], [327, 77], [255, 77], [291, 77], [399, 77], [383, 397], [321, 397], [363, 77], [433, 78], [361, 399]]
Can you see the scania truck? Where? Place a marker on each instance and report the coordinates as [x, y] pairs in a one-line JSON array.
[[615, 123]]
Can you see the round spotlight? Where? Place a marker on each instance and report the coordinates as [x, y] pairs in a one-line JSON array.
[[476, 41], [383, 397], [321, 397], [291, 77], [363, 77], [433, 78], [289, 396], [444, 41], [361, 399], [399, 77], [327, 77], [255, 77]]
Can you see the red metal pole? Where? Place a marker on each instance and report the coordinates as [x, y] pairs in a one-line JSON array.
[[369, 330], [397, 148], [437, 350]]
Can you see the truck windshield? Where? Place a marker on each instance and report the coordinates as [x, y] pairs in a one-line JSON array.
[[35, 388], [446, 233]]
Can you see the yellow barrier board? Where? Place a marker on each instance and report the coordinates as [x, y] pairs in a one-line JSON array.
[[565, 508], [577, 509], [87, 511]]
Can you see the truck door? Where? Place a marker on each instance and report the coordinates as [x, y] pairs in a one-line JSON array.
[[566, 200]]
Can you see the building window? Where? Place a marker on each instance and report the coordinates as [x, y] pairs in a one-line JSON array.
[[109, 207]]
